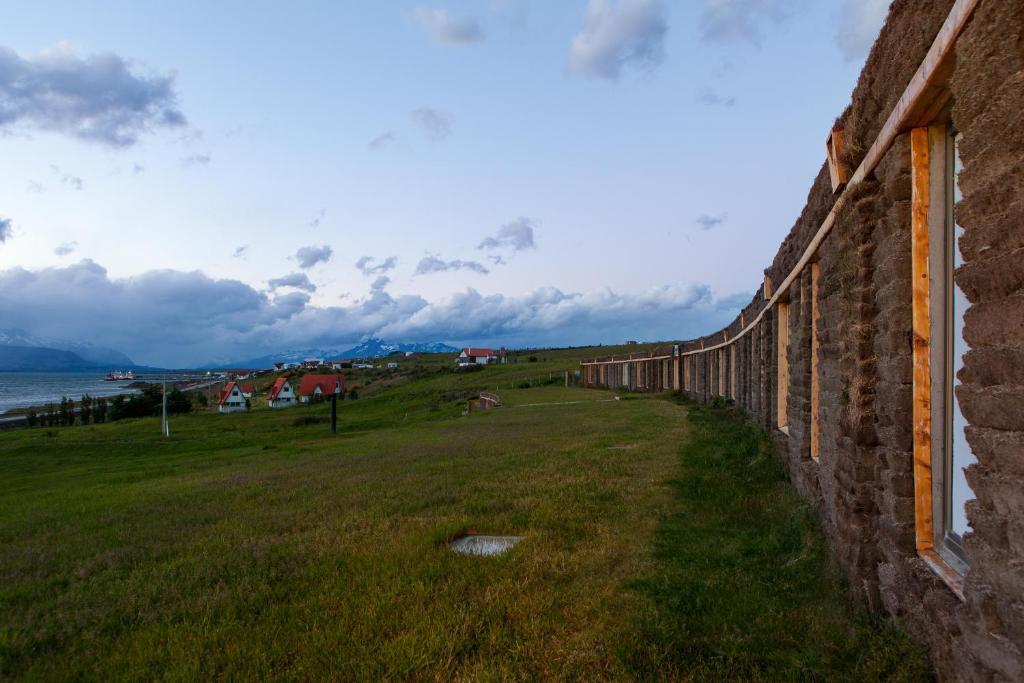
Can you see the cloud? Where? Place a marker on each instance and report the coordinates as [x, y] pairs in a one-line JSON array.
[[315, 223], [497, 259], [381, 141], [366, 267], [709, 222], [241, 251], [196, 160], [68, 179], [432, 264], [176, 319], [5, 229], [726, 21], [100, 98], [35, 187], [294, 280], [380, 283], [631, 34], [312, 255], [446, 29], [517, 235], [65, 248], [859, 24], [436, 125], [137, 169], [711, 98]]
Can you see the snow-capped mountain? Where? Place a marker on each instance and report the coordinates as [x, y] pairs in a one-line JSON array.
[[369, 348], [92, 354]]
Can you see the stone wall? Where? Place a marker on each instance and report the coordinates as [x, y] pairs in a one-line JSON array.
[[863, 482]]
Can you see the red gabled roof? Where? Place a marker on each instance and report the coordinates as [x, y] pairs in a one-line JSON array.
[[225, 392], [327, 384], [469, 351], [278, 386], [247, 388]]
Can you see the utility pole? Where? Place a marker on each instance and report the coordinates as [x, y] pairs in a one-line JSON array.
[[163, 426], [334, 413]]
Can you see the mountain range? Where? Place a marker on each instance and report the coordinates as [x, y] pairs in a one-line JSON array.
[[369, 348], [23, 352]]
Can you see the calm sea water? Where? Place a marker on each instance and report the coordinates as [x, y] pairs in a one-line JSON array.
[[22, 389]]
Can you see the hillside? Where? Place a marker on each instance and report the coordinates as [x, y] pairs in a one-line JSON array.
[[260, 545]]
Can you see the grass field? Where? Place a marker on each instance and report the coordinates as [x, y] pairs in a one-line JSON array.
[[661, 541]]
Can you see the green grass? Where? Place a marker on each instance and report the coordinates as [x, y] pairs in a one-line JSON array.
[[261, 545], [741, 589]]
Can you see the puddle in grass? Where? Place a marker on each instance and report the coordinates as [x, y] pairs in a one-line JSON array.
[[481, 545]]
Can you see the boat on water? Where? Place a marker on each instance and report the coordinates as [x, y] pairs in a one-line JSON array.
[[118, 376]]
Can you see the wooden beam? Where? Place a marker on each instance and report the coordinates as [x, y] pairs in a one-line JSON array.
[[921, 325], [782, 365]]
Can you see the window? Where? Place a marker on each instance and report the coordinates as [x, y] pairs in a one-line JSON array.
[[782, 385], [941, 451]]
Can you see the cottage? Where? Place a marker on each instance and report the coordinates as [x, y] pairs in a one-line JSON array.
[[477, 356], [340, 364], [231, 399], [312, 363], [281, 394], [314, 387], [392, 365], [279, 366], [247, 389]]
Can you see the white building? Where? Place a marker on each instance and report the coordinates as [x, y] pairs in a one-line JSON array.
[[231, 399], [281, 394]]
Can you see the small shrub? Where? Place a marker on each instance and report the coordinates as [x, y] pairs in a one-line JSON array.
[[304, 420]]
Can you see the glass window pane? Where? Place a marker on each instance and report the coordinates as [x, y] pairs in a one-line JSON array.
[[961, 455]]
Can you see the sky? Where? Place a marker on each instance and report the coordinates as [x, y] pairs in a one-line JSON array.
[[193, 182]]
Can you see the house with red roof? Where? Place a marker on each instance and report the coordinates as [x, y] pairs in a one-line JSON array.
[[281, 394], [247, 389], [231, 399], [316, 387], [481, 356]]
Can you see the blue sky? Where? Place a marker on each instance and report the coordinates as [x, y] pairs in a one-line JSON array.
[[189, 181]]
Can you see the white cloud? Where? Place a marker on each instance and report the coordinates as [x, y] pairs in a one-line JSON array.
[[175, 318], [366, 266], [432, 264], [312, 255], [315, 223], [447, 29], [859, 24], [294, 280], [196, 160], [436, 125], [631, 34], [99, 98], [241, 251], [382, 140], [5, 229], [517, 235], [742, 20], [69, 179], [711, 98], [709, 222], [65, 248]]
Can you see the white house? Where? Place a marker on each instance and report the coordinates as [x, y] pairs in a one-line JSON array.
[[392, 365], [281, 394], [231, 399], [480, 356]]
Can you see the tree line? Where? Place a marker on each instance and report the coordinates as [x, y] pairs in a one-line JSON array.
[[91, 410]]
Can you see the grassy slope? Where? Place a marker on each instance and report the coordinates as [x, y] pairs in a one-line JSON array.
[[248, 546]]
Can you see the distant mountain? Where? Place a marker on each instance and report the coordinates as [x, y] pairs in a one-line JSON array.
[[89, 353], [42, 359], [378, 348], [370, 348]]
